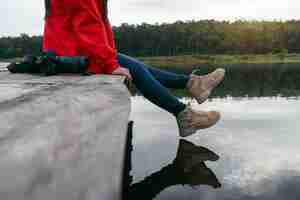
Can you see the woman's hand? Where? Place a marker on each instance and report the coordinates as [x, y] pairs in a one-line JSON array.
[[124, 72]]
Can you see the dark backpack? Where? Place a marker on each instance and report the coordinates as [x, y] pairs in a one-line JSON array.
[[50, 64]]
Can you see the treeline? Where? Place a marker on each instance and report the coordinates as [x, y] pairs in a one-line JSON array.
[[190, 37], [209, 37], [11, 47]]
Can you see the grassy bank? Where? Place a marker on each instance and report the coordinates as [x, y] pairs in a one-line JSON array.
[[8, 60], [192, 61]]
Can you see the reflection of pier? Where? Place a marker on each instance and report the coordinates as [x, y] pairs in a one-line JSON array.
[[62, 137]]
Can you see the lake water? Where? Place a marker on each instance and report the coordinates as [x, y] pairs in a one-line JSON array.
[[3, 66], [257, 141]]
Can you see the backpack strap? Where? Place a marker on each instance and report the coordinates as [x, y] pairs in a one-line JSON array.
[[47, 8], [104, 2]]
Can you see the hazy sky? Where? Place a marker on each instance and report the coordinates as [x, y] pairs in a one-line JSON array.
[[26, 16]]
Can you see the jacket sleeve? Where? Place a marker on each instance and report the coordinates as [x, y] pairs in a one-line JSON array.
[[95, 42]]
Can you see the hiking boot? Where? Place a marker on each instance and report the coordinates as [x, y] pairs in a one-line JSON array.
[[200, 87], [189, 120]]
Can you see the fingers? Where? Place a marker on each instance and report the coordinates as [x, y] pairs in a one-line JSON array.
[[126, 73], [123, 71], [129, 77]]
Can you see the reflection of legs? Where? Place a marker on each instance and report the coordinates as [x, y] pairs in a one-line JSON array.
[[167, 79], [151, 88], [154, 184]]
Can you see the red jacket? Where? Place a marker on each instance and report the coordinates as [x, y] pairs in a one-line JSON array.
[[80, 28]]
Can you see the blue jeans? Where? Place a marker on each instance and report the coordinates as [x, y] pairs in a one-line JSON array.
[[153, 83]]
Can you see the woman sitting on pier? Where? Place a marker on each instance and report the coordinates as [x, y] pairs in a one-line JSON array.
[[82, 28]]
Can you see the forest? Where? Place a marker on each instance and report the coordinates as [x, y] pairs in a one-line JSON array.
[[186, 38]]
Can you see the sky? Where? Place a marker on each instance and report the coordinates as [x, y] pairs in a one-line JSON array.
[[26, 16]]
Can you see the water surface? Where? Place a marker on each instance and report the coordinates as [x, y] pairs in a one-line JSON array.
[[257, 142]]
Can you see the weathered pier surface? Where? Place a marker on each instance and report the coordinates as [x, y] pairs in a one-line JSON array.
[[62, 137]]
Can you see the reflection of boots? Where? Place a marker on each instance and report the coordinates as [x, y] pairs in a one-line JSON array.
[[189, 155], [200, 87], [200, 174], [189, 120], [172, 175], [190, 166]]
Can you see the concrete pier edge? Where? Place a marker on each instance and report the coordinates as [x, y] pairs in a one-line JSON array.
[[62, 137]]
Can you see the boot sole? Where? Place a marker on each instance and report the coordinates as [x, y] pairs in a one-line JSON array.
[[204, 127]]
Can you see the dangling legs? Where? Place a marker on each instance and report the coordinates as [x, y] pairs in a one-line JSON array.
[[200, 87], [151, 88], [189, 120]]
